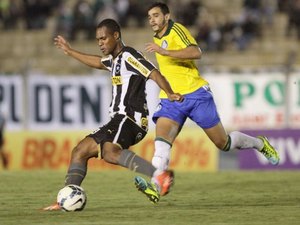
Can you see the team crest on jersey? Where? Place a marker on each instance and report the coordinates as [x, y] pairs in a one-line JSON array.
[[164, 44], [116, 80], [118, 67]]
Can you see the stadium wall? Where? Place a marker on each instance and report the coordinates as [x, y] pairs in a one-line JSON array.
[[48, 115]]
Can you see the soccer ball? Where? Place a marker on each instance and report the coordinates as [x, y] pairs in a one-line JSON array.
[[71, 198]]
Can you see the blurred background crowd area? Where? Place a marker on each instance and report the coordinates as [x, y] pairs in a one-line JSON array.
[[234, 35]]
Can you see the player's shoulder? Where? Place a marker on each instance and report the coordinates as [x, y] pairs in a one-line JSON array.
[[177, 24], [178, 27], [132, 51]]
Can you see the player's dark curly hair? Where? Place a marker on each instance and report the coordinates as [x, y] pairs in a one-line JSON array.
[[111, 24], [163, 7]]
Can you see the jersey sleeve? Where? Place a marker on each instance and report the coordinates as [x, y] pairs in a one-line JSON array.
[[107, 62], [182, 36], [139, 64]]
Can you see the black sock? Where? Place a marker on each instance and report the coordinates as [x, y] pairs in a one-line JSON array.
[[134, 162], [76, 174]]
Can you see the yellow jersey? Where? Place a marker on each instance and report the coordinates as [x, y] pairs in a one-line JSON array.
[[183, 75]]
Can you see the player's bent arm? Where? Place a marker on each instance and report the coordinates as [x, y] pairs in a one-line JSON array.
[[190, 52], [165, 85], [87, 59]]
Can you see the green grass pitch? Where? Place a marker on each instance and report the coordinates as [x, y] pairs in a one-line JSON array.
[[222, 198]]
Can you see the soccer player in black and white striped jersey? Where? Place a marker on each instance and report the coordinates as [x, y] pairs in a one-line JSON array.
[[128, 110]]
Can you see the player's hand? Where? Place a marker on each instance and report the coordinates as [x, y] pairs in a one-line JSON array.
[[152, 47], [175, 97], [61, 43]]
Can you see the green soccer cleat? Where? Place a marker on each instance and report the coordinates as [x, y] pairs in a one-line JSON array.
[[269, 151], [149, 189]]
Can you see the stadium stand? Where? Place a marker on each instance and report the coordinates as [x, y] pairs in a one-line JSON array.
[[31, 50]]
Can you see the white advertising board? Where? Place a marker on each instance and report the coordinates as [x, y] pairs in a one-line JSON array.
[[244, 101], [250, 100], [11, 100]]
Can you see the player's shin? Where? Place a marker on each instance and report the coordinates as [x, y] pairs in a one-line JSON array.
[[76, 173], [162, 154], [133, 162], [243, 141]]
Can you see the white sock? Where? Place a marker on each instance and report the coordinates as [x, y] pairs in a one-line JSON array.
[[154, 180], [162, 154], [243, 141]]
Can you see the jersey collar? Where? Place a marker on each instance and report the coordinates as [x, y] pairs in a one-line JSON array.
[[170, 25]]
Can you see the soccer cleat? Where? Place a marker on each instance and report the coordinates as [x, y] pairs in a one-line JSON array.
[[269, 151], [165, 181], [147, 188], [53, 207]]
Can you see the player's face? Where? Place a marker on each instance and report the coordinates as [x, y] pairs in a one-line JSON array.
[[106, 40], [157, 20]]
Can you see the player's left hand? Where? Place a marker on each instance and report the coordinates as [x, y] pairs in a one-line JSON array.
[[175, 97]]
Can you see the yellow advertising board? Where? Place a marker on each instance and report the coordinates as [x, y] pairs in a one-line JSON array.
[[29, 150]]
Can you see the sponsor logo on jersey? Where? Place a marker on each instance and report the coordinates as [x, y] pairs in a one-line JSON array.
[[158, 108], [116, 80], [137, 65]]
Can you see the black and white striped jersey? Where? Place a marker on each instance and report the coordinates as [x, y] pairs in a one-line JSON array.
[[129, 73]]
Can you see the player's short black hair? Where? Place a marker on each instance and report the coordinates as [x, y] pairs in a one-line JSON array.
[[163, 7], [111, 24]]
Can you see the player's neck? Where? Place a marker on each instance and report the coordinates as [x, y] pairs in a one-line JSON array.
[[118, 49], [163, 30]]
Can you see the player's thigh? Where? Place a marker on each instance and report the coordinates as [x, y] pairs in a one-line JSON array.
[[167, 129], [86, 148], [204, 111], [217, 135]]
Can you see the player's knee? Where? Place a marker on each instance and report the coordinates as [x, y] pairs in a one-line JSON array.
[[111, 156], [82, 152], [78, 153], [106, 155]]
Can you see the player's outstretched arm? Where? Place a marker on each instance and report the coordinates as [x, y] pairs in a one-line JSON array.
[[87, 59], [165, 86], [190, 52]]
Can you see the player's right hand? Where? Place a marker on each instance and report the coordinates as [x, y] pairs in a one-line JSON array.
[[61, 43], [175, 97]]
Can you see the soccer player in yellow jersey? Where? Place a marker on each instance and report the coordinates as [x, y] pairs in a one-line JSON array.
[[175, 51]]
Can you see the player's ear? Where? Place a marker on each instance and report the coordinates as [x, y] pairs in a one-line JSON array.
[[117, 36], [167, 16]]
